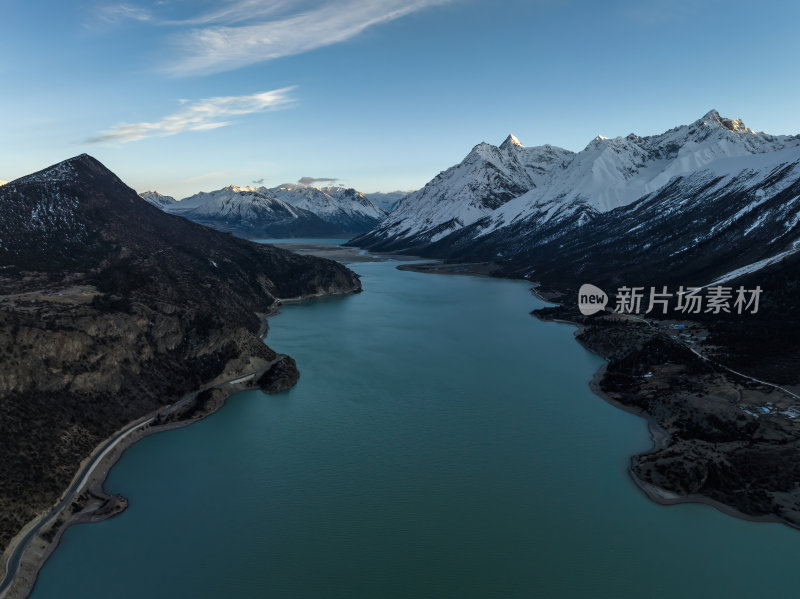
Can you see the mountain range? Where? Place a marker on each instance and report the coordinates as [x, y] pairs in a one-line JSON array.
[[697, 203], [287, 210]]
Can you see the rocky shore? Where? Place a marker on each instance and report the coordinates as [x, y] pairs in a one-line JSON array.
[[117, 321], [86, 500], [719, 438], [721, 396]]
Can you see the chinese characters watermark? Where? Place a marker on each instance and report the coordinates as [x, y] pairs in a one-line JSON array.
[[685, 300]]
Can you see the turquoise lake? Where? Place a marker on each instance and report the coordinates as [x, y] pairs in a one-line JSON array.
[[441, 442]]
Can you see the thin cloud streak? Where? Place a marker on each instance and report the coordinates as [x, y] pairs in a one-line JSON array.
[[123, 12], [232, 13], [312, 180], [217, 48], [200, 115], [240, 11]]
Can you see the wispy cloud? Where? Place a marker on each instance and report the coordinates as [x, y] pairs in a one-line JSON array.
[[115, 13], [240, 11], [259, 181], [239, 33], [246, 32], [312, 180], [199, 115]]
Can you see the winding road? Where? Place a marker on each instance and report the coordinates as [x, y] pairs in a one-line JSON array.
[[84, 475], [12, 566]]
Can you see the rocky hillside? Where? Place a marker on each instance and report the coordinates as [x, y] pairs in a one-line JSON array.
[[110, 309]]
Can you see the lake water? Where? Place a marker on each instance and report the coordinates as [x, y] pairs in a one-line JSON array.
[[440, 442]]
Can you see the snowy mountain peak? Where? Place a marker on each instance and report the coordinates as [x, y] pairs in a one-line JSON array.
[[599, 141], [342, 206], [157, 199], [482, 148], [511, 189], [68, 170], [510, 142], [713, 119]]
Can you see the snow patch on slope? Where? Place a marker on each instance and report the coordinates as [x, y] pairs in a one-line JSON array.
[[756, 266], [158, 200]]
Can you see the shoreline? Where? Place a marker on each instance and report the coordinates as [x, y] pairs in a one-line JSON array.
[[30, 548], [660, 440], [470, 269], [34, 546], [344, 254], [659, 437]]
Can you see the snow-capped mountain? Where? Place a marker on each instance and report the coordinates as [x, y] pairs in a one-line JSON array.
[[341, 206], [158, 200], [3, 182], [251, 212], [44, 221], [713, 186], [285, 211], [486, 179], [704, 228], [610, 173], [387, 201]]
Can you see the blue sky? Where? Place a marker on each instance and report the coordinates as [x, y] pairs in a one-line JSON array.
[[189, 95]]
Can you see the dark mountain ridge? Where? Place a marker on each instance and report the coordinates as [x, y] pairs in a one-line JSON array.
[[111, 309]]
